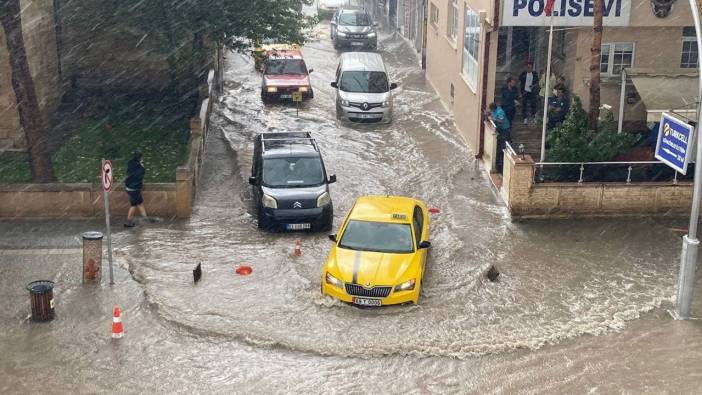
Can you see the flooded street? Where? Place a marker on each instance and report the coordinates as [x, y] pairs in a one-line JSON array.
[[580, 306]]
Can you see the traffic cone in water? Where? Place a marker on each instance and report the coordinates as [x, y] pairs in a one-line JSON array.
[[117, 329], [298, 248]]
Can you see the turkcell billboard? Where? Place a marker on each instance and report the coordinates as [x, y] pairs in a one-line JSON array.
[[565, 13]]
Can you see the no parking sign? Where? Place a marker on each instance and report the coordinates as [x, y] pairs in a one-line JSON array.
[[106, 176]]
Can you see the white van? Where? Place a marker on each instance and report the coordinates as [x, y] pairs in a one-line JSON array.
[[363, 92]]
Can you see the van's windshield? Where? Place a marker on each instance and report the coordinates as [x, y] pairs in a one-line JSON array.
[[292, 172], [364, 82]]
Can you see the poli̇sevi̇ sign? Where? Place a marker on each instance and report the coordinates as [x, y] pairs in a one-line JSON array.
[[565, 13]]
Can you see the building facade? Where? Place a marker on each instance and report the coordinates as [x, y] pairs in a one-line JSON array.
[[474, 45]]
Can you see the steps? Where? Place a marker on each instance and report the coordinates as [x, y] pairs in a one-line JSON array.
[[529, 135]]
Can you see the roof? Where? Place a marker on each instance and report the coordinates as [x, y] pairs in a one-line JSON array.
[[663, 90], [382, 208], [287, 144], [362, 61], [284, 54]]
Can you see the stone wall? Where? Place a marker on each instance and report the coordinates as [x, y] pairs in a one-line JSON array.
[[169, 200], [38, 28], [526, 199]]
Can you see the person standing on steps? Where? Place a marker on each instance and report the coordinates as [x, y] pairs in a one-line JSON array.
[[529, 89], [134, 184], [509, 95]]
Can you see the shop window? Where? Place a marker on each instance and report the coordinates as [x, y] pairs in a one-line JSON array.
[[615, 57], [688, 60], [452, 32], [471, 46], [434, 15]]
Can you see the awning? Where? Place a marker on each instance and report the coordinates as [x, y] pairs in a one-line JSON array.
[[666, 91]]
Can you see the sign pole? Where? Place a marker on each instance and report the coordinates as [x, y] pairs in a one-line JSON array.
[[549, 10], [688, 257], [107, 174]]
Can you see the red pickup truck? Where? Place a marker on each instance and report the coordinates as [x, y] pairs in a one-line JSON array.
[[285, 72]]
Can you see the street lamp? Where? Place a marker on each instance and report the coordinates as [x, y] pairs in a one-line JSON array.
[[688, 257]]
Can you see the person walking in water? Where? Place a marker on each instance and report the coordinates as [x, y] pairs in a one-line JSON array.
[[134, 184]]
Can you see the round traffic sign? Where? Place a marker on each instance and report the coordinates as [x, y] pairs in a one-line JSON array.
[[107, 176]]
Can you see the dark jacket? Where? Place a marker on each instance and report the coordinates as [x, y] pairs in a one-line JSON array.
[[534, 85], [508, 97], [135, 175]]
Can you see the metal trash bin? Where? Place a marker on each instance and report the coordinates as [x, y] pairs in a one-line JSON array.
[[42, 299], [92, 256]]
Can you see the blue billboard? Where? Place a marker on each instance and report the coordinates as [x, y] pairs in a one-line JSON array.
[[674, 142]]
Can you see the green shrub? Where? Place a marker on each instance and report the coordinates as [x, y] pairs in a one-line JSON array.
[[574, 141]]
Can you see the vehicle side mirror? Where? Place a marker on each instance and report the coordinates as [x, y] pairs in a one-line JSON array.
[[332, 179], [332, 238], [424, 244], [393, 86], [252, 180], [335, 85], [310, 70]]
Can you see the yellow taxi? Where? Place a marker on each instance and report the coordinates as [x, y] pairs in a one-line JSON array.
[[380, 252]]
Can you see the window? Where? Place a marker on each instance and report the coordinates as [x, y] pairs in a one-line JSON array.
[[615, 57], [471, 46], [377, 236], [418, 222], [688, 60], [561, 44], [364, 82], [434, 14], [453, 20]]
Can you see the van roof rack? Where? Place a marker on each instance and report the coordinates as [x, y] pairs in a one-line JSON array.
[[279, 139]]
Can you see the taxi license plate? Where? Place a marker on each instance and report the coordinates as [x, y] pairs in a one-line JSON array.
[[367, 116], [286, 95], [356, 44], [366, 302], [297, 226]]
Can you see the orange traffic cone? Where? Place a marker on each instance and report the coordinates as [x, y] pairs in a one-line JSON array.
[[117, 329], [298, 248]]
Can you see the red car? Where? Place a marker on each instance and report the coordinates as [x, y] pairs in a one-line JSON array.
[[285, 72]]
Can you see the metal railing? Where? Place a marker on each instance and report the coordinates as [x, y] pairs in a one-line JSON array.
[[509, 149], [642, 171]]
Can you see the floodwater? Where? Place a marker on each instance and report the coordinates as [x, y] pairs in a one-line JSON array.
[[580, 306]]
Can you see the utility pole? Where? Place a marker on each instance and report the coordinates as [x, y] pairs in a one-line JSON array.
[[688, 257]]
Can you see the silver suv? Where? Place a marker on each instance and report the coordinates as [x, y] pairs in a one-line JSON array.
[[354, 28], [363, 93]]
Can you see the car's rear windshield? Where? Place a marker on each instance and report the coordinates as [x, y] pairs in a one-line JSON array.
[[377, 236], [364, 82], [285, 66], [355, 19], [292, 172]]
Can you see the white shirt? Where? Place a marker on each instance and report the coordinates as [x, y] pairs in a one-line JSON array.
[[529, 82]]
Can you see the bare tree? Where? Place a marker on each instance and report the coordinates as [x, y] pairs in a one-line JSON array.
[[30, 116], [595, 51]]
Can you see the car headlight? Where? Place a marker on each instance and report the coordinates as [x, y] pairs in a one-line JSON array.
[[268, 201], [386, 103], [344, 103], [323, 199], [371, 34], [340, 34], [304, 89], [333, 281], [406, 286], [272, 89]]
